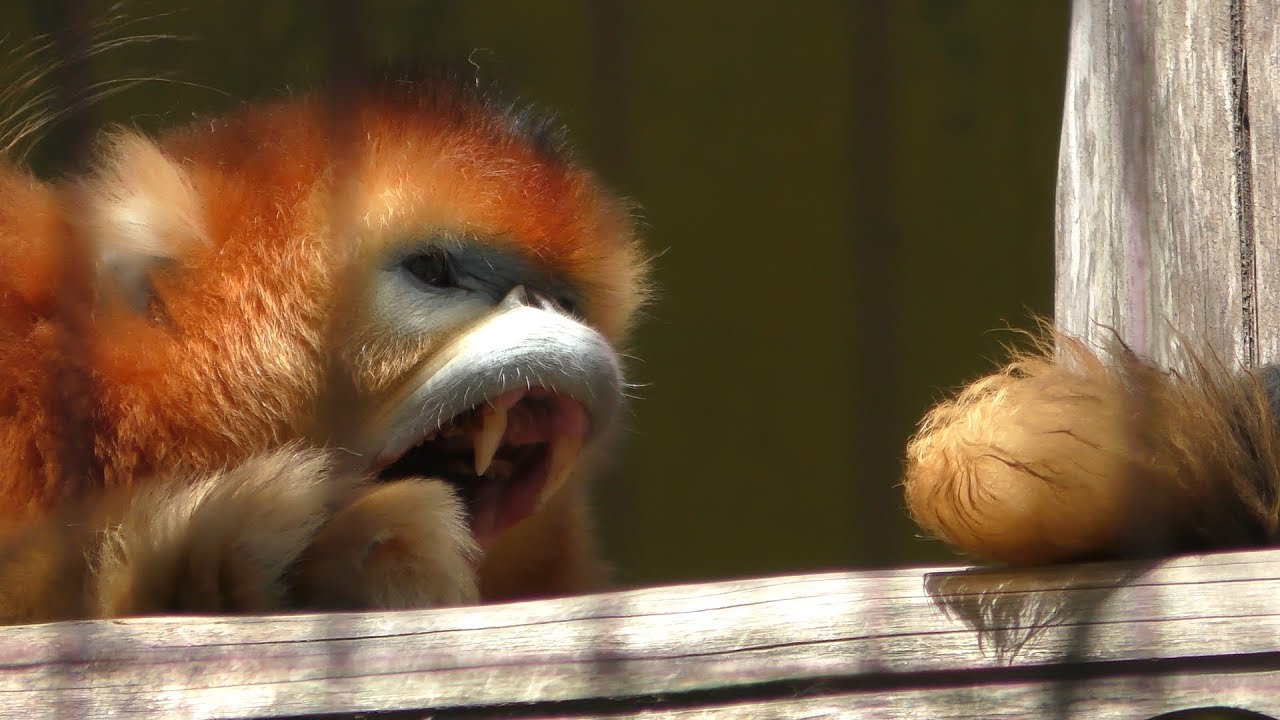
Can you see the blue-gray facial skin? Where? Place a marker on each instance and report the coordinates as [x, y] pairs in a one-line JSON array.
[[451, 278]]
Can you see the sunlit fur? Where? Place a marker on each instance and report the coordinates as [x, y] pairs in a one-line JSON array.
[[1067, 453], [182, 332]]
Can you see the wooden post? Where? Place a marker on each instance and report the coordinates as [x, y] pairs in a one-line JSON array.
[[1168, 181]]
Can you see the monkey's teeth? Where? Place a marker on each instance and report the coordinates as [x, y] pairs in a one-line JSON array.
[[493, 425], [565, 447]]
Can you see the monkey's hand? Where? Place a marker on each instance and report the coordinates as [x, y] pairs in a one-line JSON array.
[[286, 530], [402, 544], [1066, 455]]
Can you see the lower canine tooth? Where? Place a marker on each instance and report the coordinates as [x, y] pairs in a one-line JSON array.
[[565, 448]]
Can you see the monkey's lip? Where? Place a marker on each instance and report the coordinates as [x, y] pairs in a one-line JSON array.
[[521, 378], [505, 457]]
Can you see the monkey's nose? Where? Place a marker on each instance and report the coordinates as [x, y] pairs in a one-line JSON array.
[[516, 297], [520, 296]]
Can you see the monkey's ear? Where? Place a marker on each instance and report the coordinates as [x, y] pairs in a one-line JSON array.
[[138, 209]]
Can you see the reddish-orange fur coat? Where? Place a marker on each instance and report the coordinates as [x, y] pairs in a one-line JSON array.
[[185, 338]]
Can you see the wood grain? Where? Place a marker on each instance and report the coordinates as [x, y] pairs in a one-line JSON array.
[[1154, 234], [889, 642], [1130, 698], [1261, 48]]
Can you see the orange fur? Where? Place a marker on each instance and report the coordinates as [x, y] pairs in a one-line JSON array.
[[1066, 454], [197, 305]]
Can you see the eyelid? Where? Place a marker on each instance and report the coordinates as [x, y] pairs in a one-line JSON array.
[[432, 266], [486, 270]]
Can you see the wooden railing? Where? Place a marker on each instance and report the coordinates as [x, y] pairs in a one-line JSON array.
[[1115, 640]]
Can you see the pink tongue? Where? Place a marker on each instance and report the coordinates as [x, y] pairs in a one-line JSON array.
[[521, 498], [503, 504]]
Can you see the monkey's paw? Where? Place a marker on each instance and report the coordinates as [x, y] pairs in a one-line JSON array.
[[400, 545], [286, 530]]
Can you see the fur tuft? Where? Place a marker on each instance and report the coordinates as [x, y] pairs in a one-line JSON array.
[[140, 208], [1070, 454], [31, 106]]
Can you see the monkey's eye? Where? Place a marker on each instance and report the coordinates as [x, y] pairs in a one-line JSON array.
[[432, 266]]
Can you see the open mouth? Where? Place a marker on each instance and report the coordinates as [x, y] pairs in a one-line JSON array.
[[504, 457], [501, 412]]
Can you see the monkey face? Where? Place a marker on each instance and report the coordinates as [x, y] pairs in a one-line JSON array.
[[502, 407], [435, 289]]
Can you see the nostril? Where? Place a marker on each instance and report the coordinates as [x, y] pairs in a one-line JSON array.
[[567, 306], [521, 296], [516, 297], [542, 302]]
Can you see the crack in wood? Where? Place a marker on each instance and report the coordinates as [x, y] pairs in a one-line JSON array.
[[1242, 147]]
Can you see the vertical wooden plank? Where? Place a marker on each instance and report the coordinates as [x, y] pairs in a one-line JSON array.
[[1088, 247], [1197, 184], [1149, 195], [1261, 50]]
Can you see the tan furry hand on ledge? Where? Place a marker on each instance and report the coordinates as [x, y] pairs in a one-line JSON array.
[[281, 531], [1071, 454]]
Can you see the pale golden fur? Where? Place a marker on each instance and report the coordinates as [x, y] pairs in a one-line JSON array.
[[1070, 453], [283, 530]]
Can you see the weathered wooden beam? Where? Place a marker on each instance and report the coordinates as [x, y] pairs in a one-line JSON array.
[[1261, 47], [1128, 697], [1118, 640], [1169, 188]]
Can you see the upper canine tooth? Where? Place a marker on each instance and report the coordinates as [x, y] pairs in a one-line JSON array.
[[493, 425], [564, 451]]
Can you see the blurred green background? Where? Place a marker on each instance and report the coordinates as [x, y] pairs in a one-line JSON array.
[[847, 199]]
